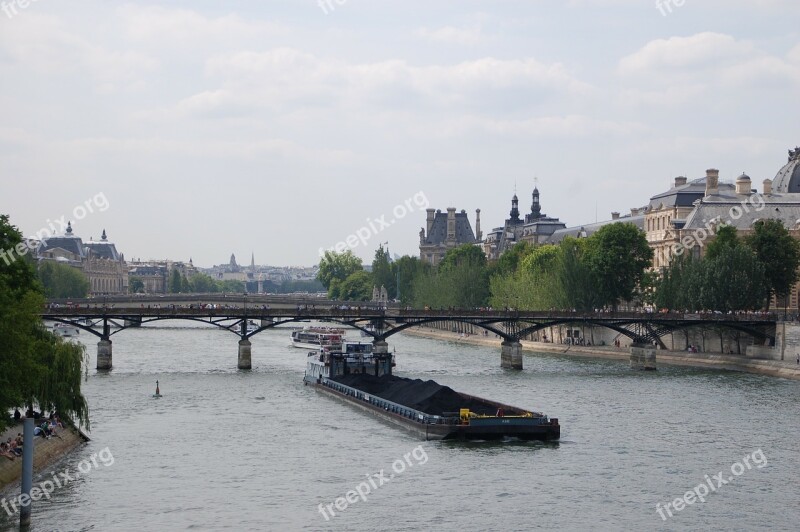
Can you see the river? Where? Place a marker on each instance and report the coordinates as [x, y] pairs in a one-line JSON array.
[[257, 450]]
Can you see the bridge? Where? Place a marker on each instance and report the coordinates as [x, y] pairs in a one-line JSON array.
[[238, 315]]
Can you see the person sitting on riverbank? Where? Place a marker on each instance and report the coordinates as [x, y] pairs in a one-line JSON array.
[[5, 451], [13, 447]]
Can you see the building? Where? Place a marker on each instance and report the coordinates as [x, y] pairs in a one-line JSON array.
[[681, 230], [446, 231], [101, 263], [154, 274], [636, 217], [536, 228]]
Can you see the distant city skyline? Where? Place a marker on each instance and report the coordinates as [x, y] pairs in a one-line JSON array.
[[282, 128]]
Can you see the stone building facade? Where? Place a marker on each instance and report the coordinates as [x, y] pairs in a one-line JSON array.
[[535, 228], [101, 263], [445, 231], [685, 218]]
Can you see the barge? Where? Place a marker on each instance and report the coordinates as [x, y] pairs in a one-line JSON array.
[[362, 378]]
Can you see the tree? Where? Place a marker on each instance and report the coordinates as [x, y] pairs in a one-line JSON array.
[[510, 261], [230, 286], [383, 273], [175, 284], [135, 285], [779, 253], [618, 254], [203, 284], [36, 367], [357, 287], [61, 281], [462, 255], [733, 280], [460, 281], [725, 238], [408, 269], [337, 267]]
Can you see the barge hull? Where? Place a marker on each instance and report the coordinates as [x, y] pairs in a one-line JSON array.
[[478, 429]]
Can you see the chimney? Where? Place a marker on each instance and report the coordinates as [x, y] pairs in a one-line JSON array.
[[615, 216], [680, 181], [712, 181], [634, 211], [478, 225], [430, 220], [768, 186], [743, 184], [451, 223]]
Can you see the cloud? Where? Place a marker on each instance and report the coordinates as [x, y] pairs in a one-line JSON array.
[[284, 76]]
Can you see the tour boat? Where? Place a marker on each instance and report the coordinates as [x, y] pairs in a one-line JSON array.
[[318, 338], [66, 331], [362, 378]]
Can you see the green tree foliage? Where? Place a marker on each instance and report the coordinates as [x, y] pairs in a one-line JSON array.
[[135, 285], [779, 253], [357, 287], [383, 272], [732, 279], [618, 255], [409, 268], [509, 262], [36, 367], [460, 281], [175, 282], [335, 268], [726, 237], [203, 284], [230, 286], [61, 281]]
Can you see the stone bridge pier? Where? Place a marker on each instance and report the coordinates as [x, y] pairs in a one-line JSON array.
[[511, 355], [643, 356], [104, 354], [245, 354]]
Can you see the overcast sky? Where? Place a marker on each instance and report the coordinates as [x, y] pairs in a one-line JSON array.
[[280, 127]]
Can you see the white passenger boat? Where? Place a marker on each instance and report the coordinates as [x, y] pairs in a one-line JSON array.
[[318, 338]]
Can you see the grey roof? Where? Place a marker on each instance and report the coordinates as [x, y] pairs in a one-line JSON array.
[[72, 244], [685, 195], [103, 250], [149, 270], [787, 179], [587, 230], [438, 232], [743, 210]]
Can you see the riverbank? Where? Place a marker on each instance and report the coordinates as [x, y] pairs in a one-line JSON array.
[[45, 453], [775, 368]]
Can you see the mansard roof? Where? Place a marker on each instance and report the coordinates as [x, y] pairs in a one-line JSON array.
[[438, 233]]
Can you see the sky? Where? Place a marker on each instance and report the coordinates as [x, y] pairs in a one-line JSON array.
[[197, 129]]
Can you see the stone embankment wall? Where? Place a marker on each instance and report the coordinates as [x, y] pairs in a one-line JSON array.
[[787, 369], [45, 453]]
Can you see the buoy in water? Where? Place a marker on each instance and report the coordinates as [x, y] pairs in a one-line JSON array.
[[158, 393]]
